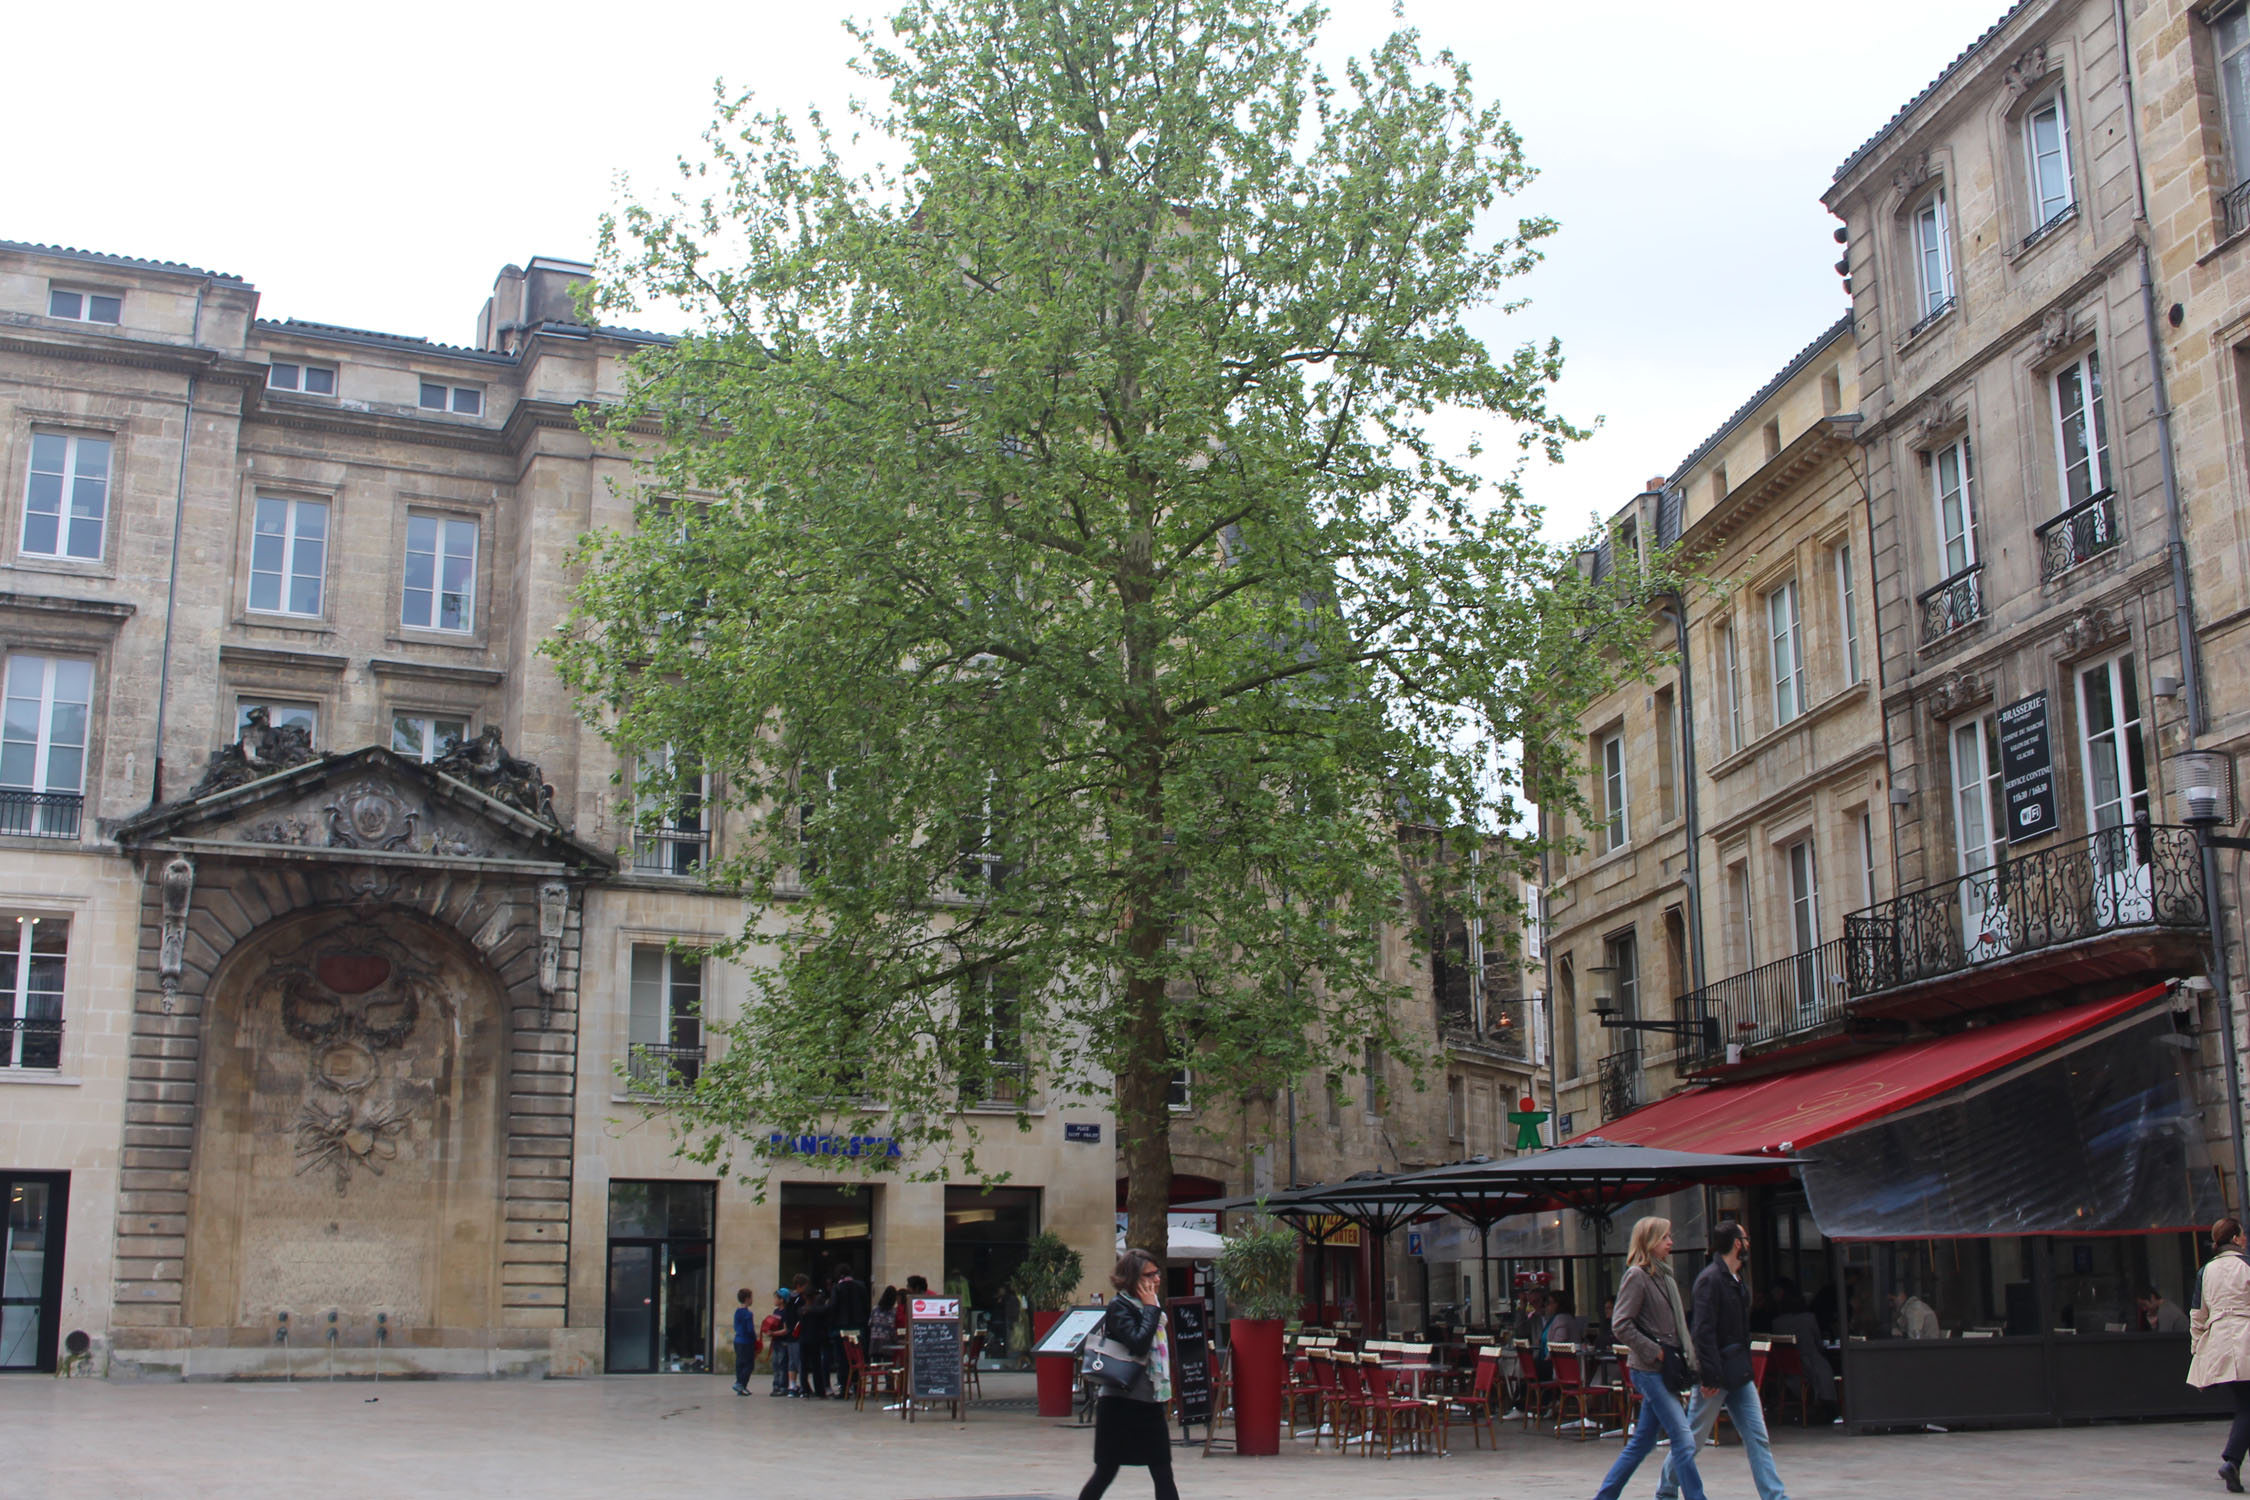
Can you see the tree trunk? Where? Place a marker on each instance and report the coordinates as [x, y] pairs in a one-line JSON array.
[[1144, 1120]]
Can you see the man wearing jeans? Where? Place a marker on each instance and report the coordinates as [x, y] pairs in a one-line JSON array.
[[1720, 1324]]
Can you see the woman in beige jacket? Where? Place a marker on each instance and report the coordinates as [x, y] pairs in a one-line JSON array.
[[2220, 1328]]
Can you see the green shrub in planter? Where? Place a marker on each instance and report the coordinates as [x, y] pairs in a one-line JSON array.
[[1258, 1271], [1049, 1276]]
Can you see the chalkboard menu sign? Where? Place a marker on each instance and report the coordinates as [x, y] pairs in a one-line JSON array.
[[933, 1343], [1191, 1359]]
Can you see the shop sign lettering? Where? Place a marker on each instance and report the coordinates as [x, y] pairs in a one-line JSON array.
[[832, 1145]]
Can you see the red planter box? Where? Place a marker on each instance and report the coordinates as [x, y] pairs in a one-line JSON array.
[[1259, 1370], [1058, 1377]]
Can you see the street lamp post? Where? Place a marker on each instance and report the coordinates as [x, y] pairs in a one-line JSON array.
[[2205, 791]]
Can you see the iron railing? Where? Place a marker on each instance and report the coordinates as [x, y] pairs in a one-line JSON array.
[[671, 851], [1936, 313], [1802, 992], [2079, 534], [2237, 206], [652, 1069], [2055, 221], [1953, 604], [996, 1085], [2113, 880], [1620, 1078], [40, 815], [31, 1042]]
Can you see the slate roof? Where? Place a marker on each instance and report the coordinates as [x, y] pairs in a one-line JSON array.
[[100, 258], [1935, 84], [1788, 372]]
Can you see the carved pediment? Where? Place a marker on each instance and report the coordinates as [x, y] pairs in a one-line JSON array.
[[372, 801]]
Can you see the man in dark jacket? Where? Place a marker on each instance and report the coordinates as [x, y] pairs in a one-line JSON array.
[[1719, 1322]]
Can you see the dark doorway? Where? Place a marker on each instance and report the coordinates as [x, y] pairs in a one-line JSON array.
[[659, 1295], [822, 1224], [987, 1234], [31, 1262]]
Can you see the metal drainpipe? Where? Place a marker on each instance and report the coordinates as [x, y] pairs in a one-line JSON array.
[[172, 584]]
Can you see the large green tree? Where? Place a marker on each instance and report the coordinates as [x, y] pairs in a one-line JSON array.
[[1059, 568]]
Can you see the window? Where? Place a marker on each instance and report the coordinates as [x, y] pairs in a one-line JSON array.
[[279, 715], [1534, 928], [43, 746], [1951, 476], [1179, 1094], [32, 955], [1977, 804], [1333, 1100], [666, 1024], [991, 1021], [1804, 896], [462, 400], [313, 380], [1847, 612], [1667, 755], [2109, 711], [2081, 439], [1624, 959], [441, 573], [1933, 257], [2045, 132], [83, 306], [1745, 915], [2231, 40], [288, 556], [1373, 1078], [1616, 828], [1456, 1107], [1566, 1017], [983, 869], [425, 737], [1730, 688], [73, 467], [1867, 858], [670, 837], [1787, 624]]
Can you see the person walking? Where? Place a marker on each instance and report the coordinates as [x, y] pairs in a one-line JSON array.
[[1129, 1420], [2219, 1330], [745, 1341], [815, 1319], [783, 1343], [847, 1314], [1651, 1322], [1719, 1322]]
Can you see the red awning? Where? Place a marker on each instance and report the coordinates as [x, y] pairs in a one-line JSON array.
[[1791, 1111]]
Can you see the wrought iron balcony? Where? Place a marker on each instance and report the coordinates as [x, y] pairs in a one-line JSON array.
[[651, 1069], [31, 1042], [1935, 315], [1620, 1079], [1954, 604], [2116, 880], [671, 851], [2079, 534], [998, 1085], [40, 815], [1803, 992], [2237, 206]]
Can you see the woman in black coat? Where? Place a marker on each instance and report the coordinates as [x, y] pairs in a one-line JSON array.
[[1129, 1421]]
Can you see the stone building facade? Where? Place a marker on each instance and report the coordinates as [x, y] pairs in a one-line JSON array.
[[336, 972]]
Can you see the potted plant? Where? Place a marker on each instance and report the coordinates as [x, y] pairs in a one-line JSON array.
[[1257, 1269], [1047, 1280]]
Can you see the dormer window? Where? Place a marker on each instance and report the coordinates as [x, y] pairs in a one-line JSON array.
[[313, 380], [80, 305]]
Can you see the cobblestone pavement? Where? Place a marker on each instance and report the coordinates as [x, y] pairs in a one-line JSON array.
[[627, 1438]]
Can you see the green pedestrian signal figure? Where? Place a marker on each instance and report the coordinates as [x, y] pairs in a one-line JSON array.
[[1527, 1117]]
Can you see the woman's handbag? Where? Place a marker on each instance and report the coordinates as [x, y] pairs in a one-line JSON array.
[[1108, 1364], [1677, 1375]]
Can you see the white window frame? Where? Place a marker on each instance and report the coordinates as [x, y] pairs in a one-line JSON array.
[[1803, 863], [659, 853], [659, 978], [88, 298], [2230, 44], [1785, 621], [279, 713], [1745, 897], [52, 710], [1954, 502], [300, 377], [1622, 952], [1933, 256], [69, 481], [1730, 678], [2120, 698], [1978, 831], [427, 730], [2071, 424], [295, 508], [2046, 208], [1617, 823], [448, 529], [19, 1002], [1847, 609], [460, 400], [1867, 856]]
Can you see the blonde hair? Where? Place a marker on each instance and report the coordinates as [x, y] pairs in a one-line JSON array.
[[1645, 1235]]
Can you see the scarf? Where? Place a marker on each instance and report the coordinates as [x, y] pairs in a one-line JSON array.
[[1679, 1317], [1160, 1360]]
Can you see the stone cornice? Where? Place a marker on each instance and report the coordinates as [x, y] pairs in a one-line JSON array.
[[115, 610]]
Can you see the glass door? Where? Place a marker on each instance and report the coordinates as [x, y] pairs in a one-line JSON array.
[[1977, 843], [657, 1307], [2109, 716], [31, 1268]]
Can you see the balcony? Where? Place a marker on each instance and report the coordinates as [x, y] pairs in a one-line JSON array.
[[31, 1042], [1000, 1085], [671, 851], [653, 1069], [40, 815], [1935, 316], [2237, 207], [1793, 996], [1953, 605], [1619, 1076], [2080, 534], [2119, 902]]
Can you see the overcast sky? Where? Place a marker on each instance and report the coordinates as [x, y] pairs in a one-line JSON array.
[[375, 166]]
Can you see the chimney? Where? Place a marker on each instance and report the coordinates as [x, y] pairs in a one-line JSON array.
[[502, 318], [525, 297]]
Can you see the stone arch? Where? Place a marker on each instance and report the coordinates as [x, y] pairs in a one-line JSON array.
[[351, 1142]]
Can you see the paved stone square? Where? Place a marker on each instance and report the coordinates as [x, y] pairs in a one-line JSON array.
[[690, 1435]]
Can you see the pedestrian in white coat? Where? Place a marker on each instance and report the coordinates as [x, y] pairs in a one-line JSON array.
[[2220, 1328]]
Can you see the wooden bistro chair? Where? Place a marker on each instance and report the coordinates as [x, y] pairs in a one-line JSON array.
[[1539, 1393], [1351, 1402], [1328, 1397], [1299, 1389], [1390, 1410], [1785, 1367], [1478, 1406], [1575, 1389]]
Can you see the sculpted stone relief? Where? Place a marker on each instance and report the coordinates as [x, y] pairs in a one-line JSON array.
[[371, 814], [263, 749]]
